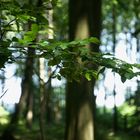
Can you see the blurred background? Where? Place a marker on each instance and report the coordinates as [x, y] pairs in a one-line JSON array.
[[21, 90]]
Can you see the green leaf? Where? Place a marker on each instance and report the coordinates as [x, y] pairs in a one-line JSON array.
[[43, 43], [123, 79], [95, 74], [63, 45], [136, 65], [94, 40], [34, 28], [88, 76], [129, 75]]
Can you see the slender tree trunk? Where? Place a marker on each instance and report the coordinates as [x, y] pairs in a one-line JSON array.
[[26, 86], [45, 90], [49, 15], [105, 98], [29, 114], [2, 81], [43, 94], [115, 114], [115, 111], [84, 21], [49, 94], [42, 98]]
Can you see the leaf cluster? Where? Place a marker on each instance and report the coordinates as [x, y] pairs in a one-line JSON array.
[[75, 60]]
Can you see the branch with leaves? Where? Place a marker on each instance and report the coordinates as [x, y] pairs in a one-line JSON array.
[[76, 61]]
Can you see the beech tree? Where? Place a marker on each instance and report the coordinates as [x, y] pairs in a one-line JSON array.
[[84, 22]]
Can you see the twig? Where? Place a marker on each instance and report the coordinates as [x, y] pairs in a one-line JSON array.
[[52, 74], [3, 93]]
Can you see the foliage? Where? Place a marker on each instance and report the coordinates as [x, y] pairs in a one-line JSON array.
[[125, 109], [130, 110], [72, 59]]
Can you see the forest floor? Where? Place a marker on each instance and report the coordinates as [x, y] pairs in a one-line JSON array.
[[109, 135], [56, 132]]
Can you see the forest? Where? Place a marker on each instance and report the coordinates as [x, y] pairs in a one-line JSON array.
[[69, 70]]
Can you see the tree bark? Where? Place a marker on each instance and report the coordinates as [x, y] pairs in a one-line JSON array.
[[79, 111], [42, 98], [84, 21]]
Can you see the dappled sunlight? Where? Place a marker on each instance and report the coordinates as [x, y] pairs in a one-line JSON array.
[[85, 123], [82, 26]]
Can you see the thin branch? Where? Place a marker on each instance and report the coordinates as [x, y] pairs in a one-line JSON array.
[[3, 93], [52, 74]]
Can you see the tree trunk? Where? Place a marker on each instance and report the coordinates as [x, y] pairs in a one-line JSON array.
[[115, 111], [45, 89], [29, 114], [49, 94], [79, 111], [84, 21], [26, 86], [50, 35], [42, 98]]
